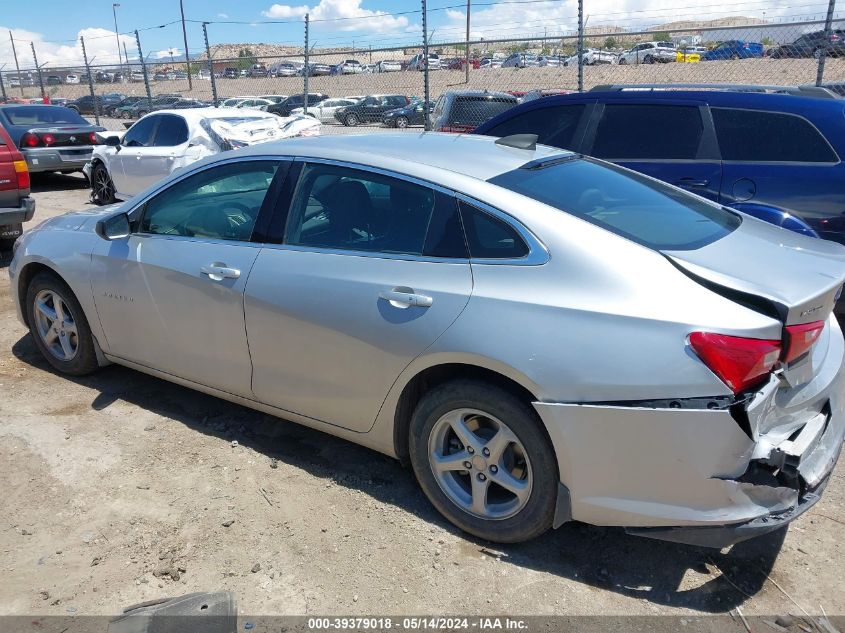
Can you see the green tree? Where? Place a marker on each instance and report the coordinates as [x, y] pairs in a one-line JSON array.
[[662, 36], [611, 43], [246, 59]]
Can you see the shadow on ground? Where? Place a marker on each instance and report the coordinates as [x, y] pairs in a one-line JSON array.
[[604, 558], [50, 181]]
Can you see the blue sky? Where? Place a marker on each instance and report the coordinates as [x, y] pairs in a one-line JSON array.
[[55, 25]]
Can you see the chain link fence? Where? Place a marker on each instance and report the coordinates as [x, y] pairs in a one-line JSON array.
[[359, 89]]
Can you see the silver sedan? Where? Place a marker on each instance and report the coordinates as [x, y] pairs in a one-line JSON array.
[[543, 337]]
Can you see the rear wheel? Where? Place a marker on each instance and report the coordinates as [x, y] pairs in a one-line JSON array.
[[622, 61], [483, 460], [734, 56], [142, 113], [59, 327], [126, 114], [648, 59], [102, 187]]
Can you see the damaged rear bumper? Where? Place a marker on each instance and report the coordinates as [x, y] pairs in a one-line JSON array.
[[696, 471]]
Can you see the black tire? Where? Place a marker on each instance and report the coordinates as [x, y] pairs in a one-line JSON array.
[[142, 113], [85, 360], [734, 56], [351, 120], [622, 62], [402, 122], [74, 108], [537, 515], [102, 187], [648, 59]]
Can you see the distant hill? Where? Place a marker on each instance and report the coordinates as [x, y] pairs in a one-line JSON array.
[[703, 24]]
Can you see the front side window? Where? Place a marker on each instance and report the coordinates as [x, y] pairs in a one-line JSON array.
[[141, 134], [649, 131], [623, 202], [348, 209], [219, 203], [751, 135], [553, 126], [172, 131]]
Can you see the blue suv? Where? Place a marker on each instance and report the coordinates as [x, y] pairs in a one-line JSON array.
[[774, 156]]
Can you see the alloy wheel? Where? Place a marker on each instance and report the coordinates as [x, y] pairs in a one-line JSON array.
[[56, 325], [103, 186], [480, 464], [401, 122]]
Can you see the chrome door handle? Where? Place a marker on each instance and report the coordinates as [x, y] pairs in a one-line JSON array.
[[403, 299], [219, 272]]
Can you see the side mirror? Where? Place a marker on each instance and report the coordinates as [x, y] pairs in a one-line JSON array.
[[111, 140], [115, 227]]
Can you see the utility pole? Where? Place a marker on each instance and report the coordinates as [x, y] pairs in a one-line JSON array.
[[90, 82], [185, 39], [210, 64], [17, 66], [144, 69], [426, 91], [580, 51], [466, 57], [128, 67], [306, 70], [828, 25], [114, 7], [38, 68]]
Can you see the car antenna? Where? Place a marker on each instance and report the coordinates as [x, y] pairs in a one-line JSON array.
[[519, 141]]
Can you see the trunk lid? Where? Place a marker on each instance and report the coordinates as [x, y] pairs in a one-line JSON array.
[[799, 277]]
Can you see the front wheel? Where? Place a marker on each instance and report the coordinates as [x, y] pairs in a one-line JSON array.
[[483, 460], [402, 122], [59, 327], [622, 62], [102, 187], [648, 59], [351, 120]]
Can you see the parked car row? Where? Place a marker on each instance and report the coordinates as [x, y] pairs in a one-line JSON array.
[[399, 291]]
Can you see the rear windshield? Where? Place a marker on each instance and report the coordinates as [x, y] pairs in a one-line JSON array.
[[623, 202], [42, 114], [477, 110]]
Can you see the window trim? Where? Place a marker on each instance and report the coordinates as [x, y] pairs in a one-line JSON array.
[[838, 160]]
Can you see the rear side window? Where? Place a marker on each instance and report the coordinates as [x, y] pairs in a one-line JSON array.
[[172, 130], [623, 202], [553, 126], [477, 110], [751, 135], [662, 132], [490, 238]]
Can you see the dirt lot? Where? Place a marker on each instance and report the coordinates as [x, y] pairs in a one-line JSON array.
[[120, 488]]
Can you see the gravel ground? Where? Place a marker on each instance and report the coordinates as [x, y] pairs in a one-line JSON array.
[[120, 488]]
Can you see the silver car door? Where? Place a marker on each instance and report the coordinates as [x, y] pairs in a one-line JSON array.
[[336, 313], [170, 296], [137, 137]]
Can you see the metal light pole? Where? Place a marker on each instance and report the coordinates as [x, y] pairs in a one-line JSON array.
[[17, 66], [116, 36], [185, 40]]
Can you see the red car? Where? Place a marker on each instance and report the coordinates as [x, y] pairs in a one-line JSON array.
[[459, 63], [16, 206]]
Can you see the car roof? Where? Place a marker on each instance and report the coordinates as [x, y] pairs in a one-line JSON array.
[[426, 155], [197, 114]]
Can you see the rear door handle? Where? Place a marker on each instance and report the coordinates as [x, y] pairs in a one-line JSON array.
[[400, 298], [219, 272], [692, 182]]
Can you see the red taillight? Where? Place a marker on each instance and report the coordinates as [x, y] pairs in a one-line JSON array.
[[48, 139], [739, 362], [93, 138], [30, 140], [800, 338], [22, 172]]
